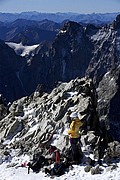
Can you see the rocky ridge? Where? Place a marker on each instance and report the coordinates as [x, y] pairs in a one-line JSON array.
[[10, 65], [37, 121], [40, 120]]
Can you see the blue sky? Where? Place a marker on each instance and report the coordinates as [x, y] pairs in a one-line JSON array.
[[79, 6]]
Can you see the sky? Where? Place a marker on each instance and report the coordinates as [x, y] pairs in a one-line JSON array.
[[77, 6]]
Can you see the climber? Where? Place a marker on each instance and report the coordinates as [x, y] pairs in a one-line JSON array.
[[37, 162], [55, 158], [55, 154], [60, 166], [74, 135]]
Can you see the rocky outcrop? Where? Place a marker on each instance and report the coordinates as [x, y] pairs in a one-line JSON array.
[[13, 129], [38, 121], [116, 23], [113, 149], [3, 107], [91, 29], [71, 53], [109, 101]]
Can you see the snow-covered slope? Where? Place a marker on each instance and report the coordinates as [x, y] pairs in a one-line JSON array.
[[43, 116], [77, 173], [22, 50]]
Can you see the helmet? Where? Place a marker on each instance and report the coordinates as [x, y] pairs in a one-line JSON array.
[[81, 116], [73, 115]]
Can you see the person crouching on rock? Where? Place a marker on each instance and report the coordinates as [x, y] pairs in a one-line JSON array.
[[74, 135], [59, 167], [54, 151]]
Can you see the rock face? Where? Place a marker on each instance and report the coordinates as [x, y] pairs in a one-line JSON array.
[[71, 53], [105, 54], [68, 58], [76, 52], [116, 23], [10, 65], [38, 121], [109, 101]]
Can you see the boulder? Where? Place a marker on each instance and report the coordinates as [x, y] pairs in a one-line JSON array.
[[87, 168], [96, 170], [112, 152], [13, 129]]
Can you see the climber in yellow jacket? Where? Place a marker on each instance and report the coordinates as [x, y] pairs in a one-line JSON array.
[[75, 127], [74, 135]]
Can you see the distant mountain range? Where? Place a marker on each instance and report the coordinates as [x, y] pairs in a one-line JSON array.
[[32, 28], [28, 32], [59, 17], [75, 51]]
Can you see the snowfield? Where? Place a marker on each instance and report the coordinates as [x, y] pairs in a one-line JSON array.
[[77, 173], [22, 50]]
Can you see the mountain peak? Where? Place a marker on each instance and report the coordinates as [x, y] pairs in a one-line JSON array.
[[116, 23]]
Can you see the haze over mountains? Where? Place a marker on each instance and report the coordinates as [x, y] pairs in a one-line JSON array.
[[59, 17]]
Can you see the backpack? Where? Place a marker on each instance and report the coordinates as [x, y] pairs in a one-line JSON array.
[[58, 169], [37, 163]]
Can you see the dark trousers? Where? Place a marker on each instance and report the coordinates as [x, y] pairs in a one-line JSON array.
[[75, 149]]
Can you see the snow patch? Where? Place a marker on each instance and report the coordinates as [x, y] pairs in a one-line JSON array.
[[71, 94], [63, 31], [34, 128], [56, 137], [22, 50], [65, 132], [17, 172], [29, 112]]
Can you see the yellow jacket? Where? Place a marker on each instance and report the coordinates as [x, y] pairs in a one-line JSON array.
[[74, 128]]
